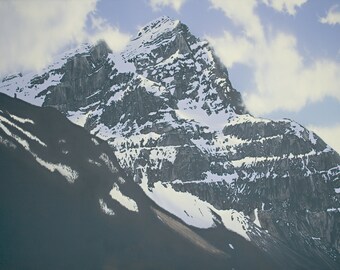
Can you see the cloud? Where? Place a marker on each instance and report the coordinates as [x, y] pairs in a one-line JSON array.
[[288, 6], [158, 4], [242, 14], [282, 79], [32, 32], [332, 17], [115, 39], [330, 135]]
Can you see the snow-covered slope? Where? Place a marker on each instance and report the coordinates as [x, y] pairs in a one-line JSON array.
[[169, 111]]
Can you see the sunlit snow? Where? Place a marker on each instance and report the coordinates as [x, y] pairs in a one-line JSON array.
[[70, 174], [20, 119], [104, 157], [66, 171], [257, 221], [105, 208], [192, 210], [26, 133], [124, 200]]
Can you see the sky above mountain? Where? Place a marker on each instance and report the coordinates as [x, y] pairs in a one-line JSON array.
[[282, 55]]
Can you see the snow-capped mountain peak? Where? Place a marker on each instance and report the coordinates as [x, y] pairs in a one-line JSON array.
[[168, 109]]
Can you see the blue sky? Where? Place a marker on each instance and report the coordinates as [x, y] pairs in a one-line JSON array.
[[282, 55]]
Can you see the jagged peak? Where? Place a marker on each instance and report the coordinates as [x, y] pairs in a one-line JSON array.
[[158, 32], [157, 26]]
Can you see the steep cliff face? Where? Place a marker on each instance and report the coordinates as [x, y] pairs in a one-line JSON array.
[[169, 111], [81, 75]]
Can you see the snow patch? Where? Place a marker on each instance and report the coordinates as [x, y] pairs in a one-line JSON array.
[[211, 178], [333, 209], [192, 210], [77, 117], [235, 221], [102, 132], [21, 120], [66, 171], [121, 180], [297, 129], [7, 143], [251, 160], [193, 111], [257, 221], [19, 140], [159, 154], [122, 65], [184, 205], [105, 208], [133, 141], [150, 86], [95, 141], [125, 201], [104, 157], [91, 161], [26, 133], [312, 137], [246, 118]]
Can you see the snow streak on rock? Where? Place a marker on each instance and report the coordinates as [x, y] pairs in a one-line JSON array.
[[124, 200]]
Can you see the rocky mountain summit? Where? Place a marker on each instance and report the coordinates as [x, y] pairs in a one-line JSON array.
[[169, 111]]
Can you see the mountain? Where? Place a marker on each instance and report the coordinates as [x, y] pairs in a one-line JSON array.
[[168, 110], [66, 204]]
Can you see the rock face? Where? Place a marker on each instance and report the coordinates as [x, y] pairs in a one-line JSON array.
[[169, 111]]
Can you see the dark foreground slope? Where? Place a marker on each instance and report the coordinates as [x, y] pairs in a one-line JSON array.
[[50, 223], [66, 218]]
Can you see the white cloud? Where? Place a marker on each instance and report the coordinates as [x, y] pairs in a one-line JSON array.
[[232, 49], [242, 14], [115, 39], [330, 135], [283, 81], [281, 76], [158, 4], [289, 6], [332, 17], [32, 32]]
